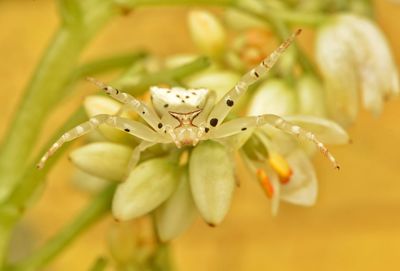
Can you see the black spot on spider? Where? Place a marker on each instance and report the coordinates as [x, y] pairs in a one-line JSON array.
[[143, 112], [214, 122], [127, 130], [256, 74], [229, 102], [116, 91], [183, 101], [165, 105], [244, 129], [178, 96], [159, 125], [168, 91], [194, 93], [187, 97], [207, 129]]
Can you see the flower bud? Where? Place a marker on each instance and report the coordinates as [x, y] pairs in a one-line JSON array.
[[311, 100], [207, 32], [95, 105], [273, 97], [177, 213], [147, 186], [219, 81], [212, 180], [88, 182], [103, 159]]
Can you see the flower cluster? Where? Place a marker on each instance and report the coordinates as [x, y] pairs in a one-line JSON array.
[[175, 185]]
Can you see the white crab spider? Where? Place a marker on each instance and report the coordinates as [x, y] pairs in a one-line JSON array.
[[185, 117]]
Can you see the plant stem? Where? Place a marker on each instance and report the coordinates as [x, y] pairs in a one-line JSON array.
[[165, 76], [98, 207], [99, 265], [45, 90]]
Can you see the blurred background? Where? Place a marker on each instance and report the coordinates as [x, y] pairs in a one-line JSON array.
[[355, 224]]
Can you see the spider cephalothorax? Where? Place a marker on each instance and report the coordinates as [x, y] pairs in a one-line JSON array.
[[185, 117]]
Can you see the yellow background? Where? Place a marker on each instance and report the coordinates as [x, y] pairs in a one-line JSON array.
[[355, 224]]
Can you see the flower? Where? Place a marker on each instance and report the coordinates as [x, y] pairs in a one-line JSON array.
[[282, 163], [353, 54], [207, 32], [278, 161]]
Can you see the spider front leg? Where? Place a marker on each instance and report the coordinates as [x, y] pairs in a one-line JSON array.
[[132, 127], [242, 124], [224, 106], [130, 103], [136, 154]]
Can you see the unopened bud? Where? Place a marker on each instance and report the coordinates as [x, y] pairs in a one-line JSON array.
[[212, 180], [207, 32], [103, 159], [148, 185], [176, 214]]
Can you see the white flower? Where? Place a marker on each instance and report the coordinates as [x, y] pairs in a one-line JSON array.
[[286, 172], [353, 54]]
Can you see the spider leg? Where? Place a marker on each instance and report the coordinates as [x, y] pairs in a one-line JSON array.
[[242, 124], [136, 154], [132, 127], [130, 102], [223, 107]]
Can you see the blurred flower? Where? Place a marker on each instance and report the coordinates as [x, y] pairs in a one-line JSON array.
[[207, 32], [353, 54], [273, 96], [311, 99]]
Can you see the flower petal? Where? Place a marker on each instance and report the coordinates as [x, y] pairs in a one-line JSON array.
[[302, 187], [329, 132], [212, 180], [103, 159], [176, 214], [148, 185], [338, 66]]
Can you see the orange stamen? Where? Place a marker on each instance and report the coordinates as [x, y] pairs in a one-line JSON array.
[[281, 166], [265, 183]]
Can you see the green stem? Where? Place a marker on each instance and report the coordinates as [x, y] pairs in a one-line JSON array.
[[138, 3], [96, 209], [45, 90], [99, 265], [171, 75], [105, 64]]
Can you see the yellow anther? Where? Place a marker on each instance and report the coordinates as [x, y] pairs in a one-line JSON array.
[[265, 182], [281, 166]]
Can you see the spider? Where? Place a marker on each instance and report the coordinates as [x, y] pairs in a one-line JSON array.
[[187, 116]]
